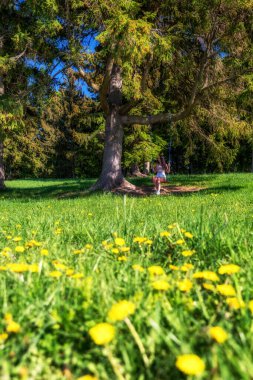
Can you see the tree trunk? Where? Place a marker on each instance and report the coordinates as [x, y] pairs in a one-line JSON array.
[[2, 173], [111, 176], [135, 171], [146, 169]]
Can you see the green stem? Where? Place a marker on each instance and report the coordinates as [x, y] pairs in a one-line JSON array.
[[118, 370], [137, 341], [205, 312]]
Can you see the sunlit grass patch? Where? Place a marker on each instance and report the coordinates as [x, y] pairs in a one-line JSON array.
[[132, 288]]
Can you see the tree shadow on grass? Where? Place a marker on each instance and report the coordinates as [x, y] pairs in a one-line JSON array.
[[69, 189], [43, 189]]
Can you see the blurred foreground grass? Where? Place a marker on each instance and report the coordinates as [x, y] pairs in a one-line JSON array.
[[75, 254]]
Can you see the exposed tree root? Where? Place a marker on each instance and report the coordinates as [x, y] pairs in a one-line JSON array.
[[110, 185]]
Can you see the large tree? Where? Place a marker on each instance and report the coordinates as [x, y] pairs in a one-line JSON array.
[[163, 58], [152, 62], [28, 55]]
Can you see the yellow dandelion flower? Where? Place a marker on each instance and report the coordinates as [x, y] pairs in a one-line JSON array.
[[186, 267], [121, 310], [188, 252], [44, 252], [78, 251], [188, 235], [122, 258], [59, 266], [174, 267], [34, 268], [3, 337], [87, 377], [229, 269], [206, 275], [69, 272], [208, 286], [138, 268], [102, 333], [108, 246], [30, 244], [226, 290], [124, 249], [250, 306], [115, 251], [8, 237], [190, 364], [119, 241], [160, 285], [77, 276], [88, 246], [58, 231], [19, 249], [148, 242], [18, 267], [55, 274], [156, 270], [185, 285], [8, 317], [139, 239], [218, 334], [13, 327], [165, 234], [23, 373], [235, 303], [180, 242], [6, 251], [17, 238]]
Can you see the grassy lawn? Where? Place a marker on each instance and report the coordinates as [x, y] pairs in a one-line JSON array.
[[84, 247]]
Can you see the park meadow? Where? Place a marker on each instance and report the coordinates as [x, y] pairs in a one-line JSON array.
[[105, 286], [126, 190]]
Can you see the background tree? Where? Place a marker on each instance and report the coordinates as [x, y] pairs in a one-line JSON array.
[[27, 58]]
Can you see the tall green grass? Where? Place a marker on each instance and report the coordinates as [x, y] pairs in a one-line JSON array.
[[55, 314]]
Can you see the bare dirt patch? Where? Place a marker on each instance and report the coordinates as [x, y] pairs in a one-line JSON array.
[[144, 191]]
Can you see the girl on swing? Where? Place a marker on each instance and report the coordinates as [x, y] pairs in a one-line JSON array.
[[161, 169]]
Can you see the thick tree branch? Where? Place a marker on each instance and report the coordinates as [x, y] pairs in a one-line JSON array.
[[17, 57], [168, 117], [126, 108], [88, 79], [228, 79], [147, 120]]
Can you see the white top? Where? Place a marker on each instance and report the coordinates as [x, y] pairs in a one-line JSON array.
[[160, 170]]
